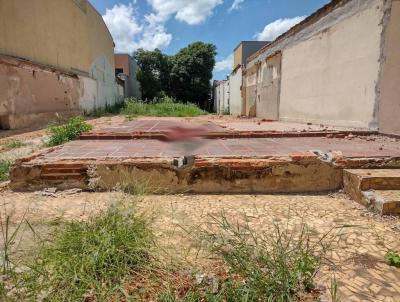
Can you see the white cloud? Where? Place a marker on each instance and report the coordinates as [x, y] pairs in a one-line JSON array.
[[225, 64], [129, 34], [273, 30], [191, 12], [236, 4]]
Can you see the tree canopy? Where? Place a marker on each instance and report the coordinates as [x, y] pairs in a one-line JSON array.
[[185, 76]]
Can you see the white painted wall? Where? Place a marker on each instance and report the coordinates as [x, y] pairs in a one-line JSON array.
[[331, 76], [221, 97], [100, 89], [235, 92]]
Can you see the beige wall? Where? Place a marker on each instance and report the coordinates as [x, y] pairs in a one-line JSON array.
[[331, 77], [56, 58], [389, 106], [251, 90], [268, 88], [237, 56], [54, 32]]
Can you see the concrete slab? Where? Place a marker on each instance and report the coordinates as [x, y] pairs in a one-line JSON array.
[[220, 128], [378, 189]]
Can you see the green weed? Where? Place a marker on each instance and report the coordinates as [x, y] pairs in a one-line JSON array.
[[109, 109], [88, 261], [393, 258], [163, 107], [4, 169], [60, 134], [277, 265], [14, 144]]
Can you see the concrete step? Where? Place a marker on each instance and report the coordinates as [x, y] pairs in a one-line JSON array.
[[375, 188], [386, 202]]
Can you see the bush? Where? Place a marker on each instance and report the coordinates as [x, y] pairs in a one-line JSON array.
[[160, 107], [60, 134], [4, 169], [88, 261]]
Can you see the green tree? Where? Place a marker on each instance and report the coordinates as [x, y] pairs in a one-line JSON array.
[[153, 72], [191, 73]]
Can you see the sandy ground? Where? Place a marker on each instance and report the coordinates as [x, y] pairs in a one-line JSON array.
[[357, 252]]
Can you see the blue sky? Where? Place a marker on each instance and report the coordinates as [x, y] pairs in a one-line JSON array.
[[172, 24]]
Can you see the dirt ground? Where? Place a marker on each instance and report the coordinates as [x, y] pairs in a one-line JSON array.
[[358, 253]]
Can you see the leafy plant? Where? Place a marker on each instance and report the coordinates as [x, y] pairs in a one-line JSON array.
[[393, 258], [160, 107], [60, 134], [4, 169]]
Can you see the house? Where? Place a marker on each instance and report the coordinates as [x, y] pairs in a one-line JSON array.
[[240, 54], [125, 69], [340, 66], [56, 61]]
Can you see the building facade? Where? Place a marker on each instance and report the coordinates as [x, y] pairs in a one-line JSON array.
[[339, 66], [56, 59], [126, 69], [240, 55], [221, 96]]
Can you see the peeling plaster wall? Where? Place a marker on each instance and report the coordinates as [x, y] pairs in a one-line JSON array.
[[331, 77], [57, 41], [330, 65], [221, 96], [33, 95], [67, 34], [251, 90], [235, 97], [268, 87], [389, 99]]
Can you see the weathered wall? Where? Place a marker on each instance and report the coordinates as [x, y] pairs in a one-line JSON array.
[[330, 77], [250, 79], [134, 86], [221, 96], [24, 87], [237, 55], [57, 38], [389, 98], [268, 87], [57, 33], [235, 95]]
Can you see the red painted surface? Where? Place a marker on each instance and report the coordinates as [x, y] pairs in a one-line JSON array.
[[245, 147]]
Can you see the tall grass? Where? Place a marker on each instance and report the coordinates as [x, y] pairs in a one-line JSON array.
[[4, 169], [84, 260], [60, 134], [277, 265], [163, 107], [14, 144]]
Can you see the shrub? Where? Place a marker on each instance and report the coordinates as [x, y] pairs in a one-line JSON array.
[[160, 107], [4, 169], [60, 134], [88, 261]]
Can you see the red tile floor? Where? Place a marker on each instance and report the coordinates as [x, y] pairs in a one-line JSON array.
[[246, 147]]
